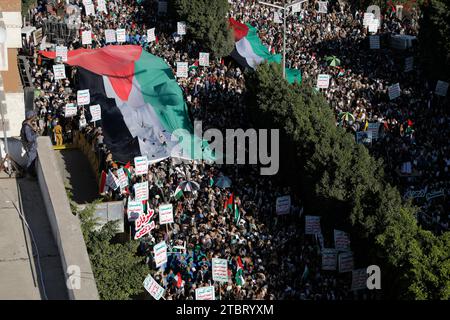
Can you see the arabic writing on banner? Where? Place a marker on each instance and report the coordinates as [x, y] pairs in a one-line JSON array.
[[83, 97], [141, 165], [70, 110], [329, 259], [141, 191], [205, 293], [341, 240], [312, 225], [165, 213], [145, 230], [143, 219], [59, 70], [160, 253], [134, 210], [155, 290], [283, 205], [220, 270], [359, 279], [345, 262]]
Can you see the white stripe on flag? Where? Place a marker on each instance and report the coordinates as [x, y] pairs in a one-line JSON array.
[[244, 48]]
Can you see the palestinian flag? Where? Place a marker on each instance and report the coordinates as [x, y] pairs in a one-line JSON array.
[[102, 184], [229, 203], [178, 193], [239, 277], [141, 103], [249, 51], [237, 214]]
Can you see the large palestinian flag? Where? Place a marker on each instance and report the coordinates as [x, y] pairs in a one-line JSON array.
[[141, 103], [249, 51]]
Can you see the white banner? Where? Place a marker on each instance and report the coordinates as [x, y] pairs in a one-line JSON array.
[[296, 7], [368, 17], [155, 290], [203, 59], [181, 28], [345, 262], [165, 213], [101, 6], [374, 42], [83, 97], [110, 35], [323, 81], [61, 51], [182, 69], [90, 10], [141, 191], [374, 128], [205, 293], [219, 270], [277, 17], [394, 91], [134, 210], [374, 25], [59, 70], [123, 179], [359, 279], [86, 37], [160, 253], [323, 7], [151, 35], [121, 35], [341, 240], [283, 205], [70, 110], [441, 88], [329, 259], [96, 112], [141, 165], [312, 225]]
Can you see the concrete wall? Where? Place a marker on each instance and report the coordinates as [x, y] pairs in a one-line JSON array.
[[65, 226]]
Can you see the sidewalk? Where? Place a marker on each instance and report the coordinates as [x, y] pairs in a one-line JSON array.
[[20, 277]]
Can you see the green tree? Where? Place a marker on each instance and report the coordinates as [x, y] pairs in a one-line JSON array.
[[207, 23], [341, 181], [118, 271]]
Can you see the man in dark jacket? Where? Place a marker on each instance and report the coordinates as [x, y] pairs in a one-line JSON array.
[[28, 135]]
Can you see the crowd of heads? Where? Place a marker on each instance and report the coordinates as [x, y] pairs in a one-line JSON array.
[[280, 261]]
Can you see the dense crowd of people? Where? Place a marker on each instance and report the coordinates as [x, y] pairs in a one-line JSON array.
[[279, 261]]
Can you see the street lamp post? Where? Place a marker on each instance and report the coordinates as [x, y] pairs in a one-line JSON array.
[[284, 7]]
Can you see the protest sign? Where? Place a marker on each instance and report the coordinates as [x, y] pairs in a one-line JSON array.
[[277, 17], [374, 128], [61, 51], [296, 7], [144, 230], [374, 25], [90, 10], [96, 112], [151, 35], [141, 165], [123, 179], [59, 70], [165, 213], [111, 181], [323, 81], [394, 91], [374, 42], [283, 205], [364, 137], [220, 270], [441, 88], [110, 35], [86, 37], [182, 69], [312, 225], [203, 59], [341, 240], [70, 110], [162, 7], [143, 219], [160, 253], [181, 28], [359, 279], [83, 97], [134, 210], [345, 262], [101, 6], [329, 259], [121, 35], [155, 290], [409, 64], [205, 293], [323, 7], [87, 2], [141, 191], [368, 17]]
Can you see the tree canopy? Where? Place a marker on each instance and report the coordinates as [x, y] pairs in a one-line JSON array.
[[206, 22], [344, 184]]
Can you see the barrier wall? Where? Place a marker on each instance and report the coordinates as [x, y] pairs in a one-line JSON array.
[[65, 226]]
